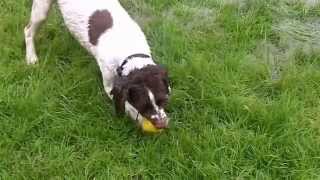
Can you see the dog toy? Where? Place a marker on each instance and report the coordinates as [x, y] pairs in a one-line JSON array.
[[148, 127]]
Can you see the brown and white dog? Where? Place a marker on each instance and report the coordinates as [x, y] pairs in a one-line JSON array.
[[138, 86]]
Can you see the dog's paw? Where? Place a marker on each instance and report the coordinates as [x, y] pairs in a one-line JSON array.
[[32, 59]]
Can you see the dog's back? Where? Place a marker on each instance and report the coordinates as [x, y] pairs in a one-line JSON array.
[[103, 27]]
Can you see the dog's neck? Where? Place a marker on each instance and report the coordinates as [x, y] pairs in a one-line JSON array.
[[136, 63]]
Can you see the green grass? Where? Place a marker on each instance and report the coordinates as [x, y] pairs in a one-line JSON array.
[[245, 104]]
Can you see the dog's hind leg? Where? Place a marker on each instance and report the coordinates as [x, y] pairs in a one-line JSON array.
[[39, 13]]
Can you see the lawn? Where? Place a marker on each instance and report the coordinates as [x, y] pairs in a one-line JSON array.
[[245, 105]]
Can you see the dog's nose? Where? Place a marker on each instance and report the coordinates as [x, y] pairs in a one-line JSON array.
[[160, 123]]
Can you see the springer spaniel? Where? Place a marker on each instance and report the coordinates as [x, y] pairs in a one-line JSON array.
[[138, 86]]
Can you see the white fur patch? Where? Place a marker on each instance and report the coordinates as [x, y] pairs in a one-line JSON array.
[[160, 111], [133, 112], [154, 104], [153, 101]]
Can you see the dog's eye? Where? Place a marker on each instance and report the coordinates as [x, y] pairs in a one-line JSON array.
[[161, 102]]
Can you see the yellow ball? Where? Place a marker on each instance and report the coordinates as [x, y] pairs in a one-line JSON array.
[[148, 127]]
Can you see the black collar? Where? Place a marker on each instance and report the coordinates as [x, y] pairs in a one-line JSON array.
[[125, 61]]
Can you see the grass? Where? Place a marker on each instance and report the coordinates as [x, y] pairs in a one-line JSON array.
[[245, 105]]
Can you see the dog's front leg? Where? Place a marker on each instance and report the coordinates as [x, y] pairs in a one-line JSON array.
[[39, 14], [108, 78]]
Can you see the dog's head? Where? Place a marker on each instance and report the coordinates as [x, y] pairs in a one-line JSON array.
[[144, 93]]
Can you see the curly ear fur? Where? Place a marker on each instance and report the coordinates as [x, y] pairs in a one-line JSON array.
[[119, 93]]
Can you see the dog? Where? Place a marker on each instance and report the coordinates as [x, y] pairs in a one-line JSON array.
[[138, 86]]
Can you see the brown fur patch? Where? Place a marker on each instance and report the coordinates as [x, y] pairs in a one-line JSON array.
[[99, 22]]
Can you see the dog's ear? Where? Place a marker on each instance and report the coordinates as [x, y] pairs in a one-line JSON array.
[[119, 93]]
